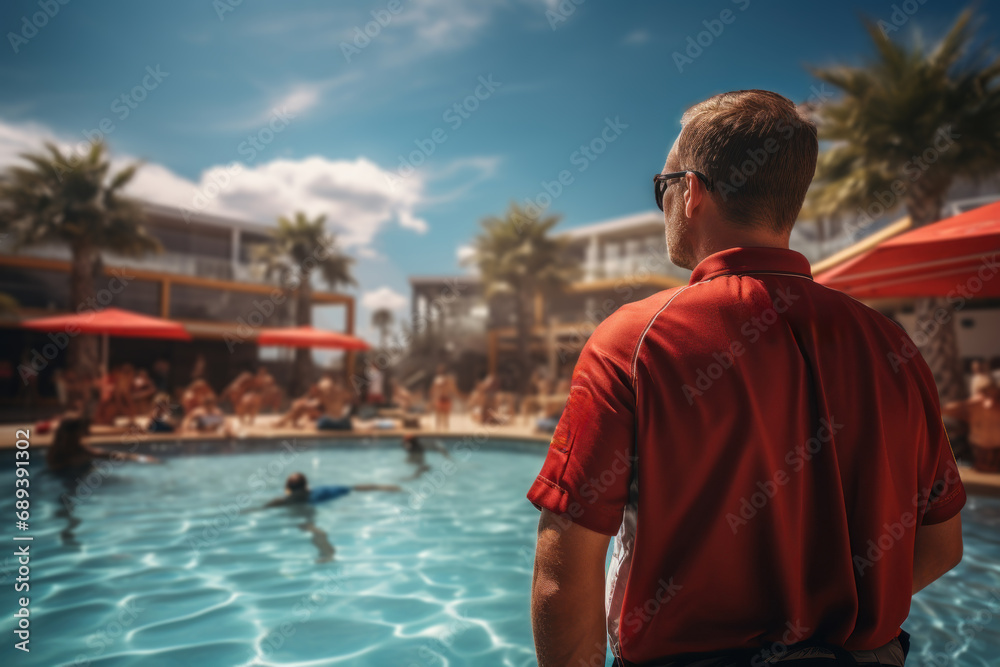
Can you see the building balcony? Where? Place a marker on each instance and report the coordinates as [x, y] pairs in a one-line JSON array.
[[167, 262]]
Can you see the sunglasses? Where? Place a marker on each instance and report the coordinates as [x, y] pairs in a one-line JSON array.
[[661, 181]]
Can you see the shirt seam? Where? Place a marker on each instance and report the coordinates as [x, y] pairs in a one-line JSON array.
[[634, 367]]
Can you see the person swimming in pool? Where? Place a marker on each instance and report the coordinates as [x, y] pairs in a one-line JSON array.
[[298, 492], [69, 455], [416, 453]]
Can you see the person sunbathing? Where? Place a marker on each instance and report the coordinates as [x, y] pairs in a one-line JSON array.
[[297, 491], [236, 389], [982, 414], [68, 453], [143, 391], [206, 418], [195, 395], [161, 418], [308, 405], [270, 393], [116, 396]]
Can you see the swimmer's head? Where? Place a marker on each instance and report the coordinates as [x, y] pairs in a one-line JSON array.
[[296, 484]]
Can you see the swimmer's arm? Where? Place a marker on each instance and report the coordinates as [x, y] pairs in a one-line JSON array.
[[438, 447], [112, 455], [277, 502], [567, 593], [938, 549], [377, 487]]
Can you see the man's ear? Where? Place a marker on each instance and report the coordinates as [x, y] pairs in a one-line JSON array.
[[694, 194]]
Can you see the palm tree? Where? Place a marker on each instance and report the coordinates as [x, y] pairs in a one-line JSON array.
[[382, 319], [907, 124], [69, 199], [299, 247], [516, 256]]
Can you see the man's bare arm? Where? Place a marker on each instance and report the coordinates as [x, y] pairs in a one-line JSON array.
[[567, 593], [938, 549]]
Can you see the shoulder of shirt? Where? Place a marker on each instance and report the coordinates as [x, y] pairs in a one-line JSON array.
[[620, 333], [871, 312]]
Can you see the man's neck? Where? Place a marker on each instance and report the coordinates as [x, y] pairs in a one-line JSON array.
[[724, 237]]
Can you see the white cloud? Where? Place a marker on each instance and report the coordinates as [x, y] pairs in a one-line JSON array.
[[356, 195], [464, 253], [292, 101], [384, 297]]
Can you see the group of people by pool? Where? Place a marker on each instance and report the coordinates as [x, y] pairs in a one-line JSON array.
[[137, 398]]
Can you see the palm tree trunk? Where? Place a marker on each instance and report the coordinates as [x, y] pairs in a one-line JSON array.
[[523, 340], [936, 316], [302, 366], [83, 350]]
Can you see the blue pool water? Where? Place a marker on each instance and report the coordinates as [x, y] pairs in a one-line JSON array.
[[175, 565]]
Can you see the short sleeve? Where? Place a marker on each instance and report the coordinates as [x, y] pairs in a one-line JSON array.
[[943, 491], [587, 471], [942, 494]]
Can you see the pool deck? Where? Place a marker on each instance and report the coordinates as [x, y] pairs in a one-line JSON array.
[[461, 425], [976, 483]]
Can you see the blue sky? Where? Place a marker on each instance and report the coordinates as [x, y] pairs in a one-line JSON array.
[[339, 121]]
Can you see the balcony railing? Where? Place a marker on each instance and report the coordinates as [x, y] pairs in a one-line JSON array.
[[167, 262]]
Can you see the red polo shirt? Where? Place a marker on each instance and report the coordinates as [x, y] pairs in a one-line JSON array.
[[764, 447]]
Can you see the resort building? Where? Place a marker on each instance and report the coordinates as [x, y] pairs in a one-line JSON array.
[[621, 260], [204, 278], [624, 260]]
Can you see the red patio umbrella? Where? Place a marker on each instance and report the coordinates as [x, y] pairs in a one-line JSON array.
[[307, 336], [110, 322], [955, 255]]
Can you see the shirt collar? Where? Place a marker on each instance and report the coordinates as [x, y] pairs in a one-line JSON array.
[[738, 261]]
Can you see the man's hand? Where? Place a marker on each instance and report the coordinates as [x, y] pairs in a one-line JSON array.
[[567, 593]]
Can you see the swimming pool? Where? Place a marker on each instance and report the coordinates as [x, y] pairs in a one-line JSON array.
[[173, 565]]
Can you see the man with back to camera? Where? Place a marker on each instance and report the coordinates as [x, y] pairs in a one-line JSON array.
[[777, 489]]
